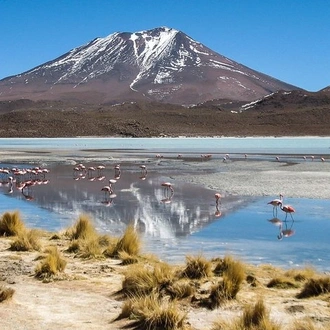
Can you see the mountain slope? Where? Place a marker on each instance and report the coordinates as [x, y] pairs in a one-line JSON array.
[[162, 64]]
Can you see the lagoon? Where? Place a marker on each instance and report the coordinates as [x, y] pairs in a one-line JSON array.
[[188, 223]]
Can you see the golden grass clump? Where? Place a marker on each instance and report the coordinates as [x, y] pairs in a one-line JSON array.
[[90, 248], [127, 259], [222, 265], [197, 267], [254, 317], [300, 275], [282, 282], [142, 280], [85, 241], [83, 229], [51, 264], [151, 312], [6, 293], [130, 243], [27, 240], [315, 287], [304, 324], [139, 280], [180, 290], [11, 224], [230, 285]]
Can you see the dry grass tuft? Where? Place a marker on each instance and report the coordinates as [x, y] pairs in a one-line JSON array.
[[282, 283], [180, 290], [127, 259], [230, 285], [305, 324], [254, 317], [139, 280], [27, 240], [129, 243], [315, 287], [83, 229], [51, 264], [11, 224], [142, 280], [150, 312], [74, 246], [222, 265], [85, 241], [90, 248], [6, 293], [301, 275], [197, 267]]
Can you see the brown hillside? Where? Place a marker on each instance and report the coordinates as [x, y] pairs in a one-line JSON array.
[[274, 116]]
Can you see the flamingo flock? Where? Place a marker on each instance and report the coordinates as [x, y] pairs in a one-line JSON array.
[[23, 179]]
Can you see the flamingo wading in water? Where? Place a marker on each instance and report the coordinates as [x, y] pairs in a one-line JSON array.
[[288, 209], [217, 198], [276, 203]]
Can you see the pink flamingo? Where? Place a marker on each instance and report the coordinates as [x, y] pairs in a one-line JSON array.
[[168, 187], [217, 198], [276, 203], [288, 209], [100, 169], [144, 170]]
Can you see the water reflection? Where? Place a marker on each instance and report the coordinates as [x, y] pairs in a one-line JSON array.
[[118, 194], [286, 230], [285, 227]]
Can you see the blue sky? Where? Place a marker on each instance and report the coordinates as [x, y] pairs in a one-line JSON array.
[[288, 40]]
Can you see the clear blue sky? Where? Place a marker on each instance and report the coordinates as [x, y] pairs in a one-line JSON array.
[[288, 40]]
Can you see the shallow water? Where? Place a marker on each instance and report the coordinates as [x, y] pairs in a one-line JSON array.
[[280, 145], [172, 227]]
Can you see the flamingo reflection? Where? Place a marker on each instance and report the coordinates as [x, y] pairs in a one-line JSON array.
[[27, 190], [109, 195], [286, 230]]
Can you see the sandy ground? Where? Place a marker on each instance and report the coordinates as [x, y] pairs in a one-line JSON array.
[[85, 297]]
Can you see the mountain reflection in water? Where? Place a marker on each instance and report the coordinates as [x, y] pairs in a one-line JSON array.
[[174, 224], [137, 196]]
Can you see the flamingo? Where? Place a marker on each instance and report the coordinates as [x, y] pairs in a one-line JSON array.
[[276, 202], [117, 171], [168, 186], [107, 190], [100, 169], [111, 182], [217, 198], [288, 209], [143, 169]]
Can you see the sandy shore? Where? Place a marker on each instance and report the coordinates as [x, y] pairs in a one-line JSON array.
[[84, 298], [265, 178]]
